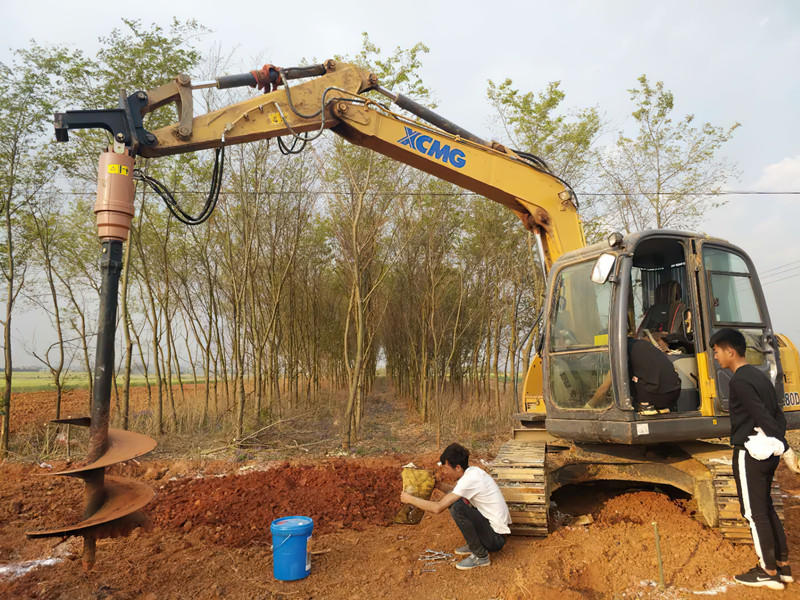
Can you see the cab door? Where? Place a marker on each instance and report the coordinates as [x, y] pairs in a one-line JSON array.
[[578, 360], [733, 298]]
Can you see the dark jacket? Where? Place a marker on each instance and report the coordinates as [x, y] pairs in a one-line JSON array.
[[754, 403], [651, 367]]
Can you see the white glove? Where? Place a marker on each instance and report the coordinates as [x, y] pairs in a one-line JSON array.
[[761, 447]]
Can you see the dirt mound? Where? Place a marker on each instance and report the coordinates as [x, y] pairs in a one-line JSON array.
[[645, 508], [617, 552], [335, 494]]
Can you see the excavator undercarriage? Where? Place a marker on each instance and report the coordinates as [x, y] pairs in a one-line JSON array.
[[533, 465]]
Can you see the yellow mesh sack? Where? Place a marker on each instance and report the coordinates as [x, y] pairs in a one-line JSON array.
[[419, 483]]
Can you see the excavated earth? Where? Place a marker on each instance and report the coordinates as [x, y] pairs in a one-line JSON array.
[[211, 539], [210, 534]]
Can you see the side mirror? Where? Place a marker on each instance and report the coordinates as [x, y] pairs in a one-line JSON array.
[[602, 268]]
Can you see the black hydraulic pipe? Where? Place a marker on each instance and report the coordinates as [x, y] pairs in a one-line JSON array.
[[425, 113], [247, 79], [232, 81], [110, 267], [300, 72]]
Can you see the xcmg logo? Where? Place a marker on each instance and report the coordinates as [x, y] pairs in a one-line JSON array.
[[425, 144]]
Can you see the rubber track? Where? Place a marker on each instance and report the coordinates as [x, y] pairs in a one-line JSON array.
[[519, 472]]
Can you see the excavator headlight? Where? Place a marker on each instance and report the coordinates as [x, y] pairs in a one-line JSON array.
[[615, 239]]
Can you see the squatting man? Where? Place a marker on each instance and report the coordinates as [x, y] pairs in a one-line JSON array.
[[475, 503]]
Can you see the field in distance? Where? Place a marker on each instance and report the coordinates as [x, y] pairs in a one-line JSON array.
[[42, 381]]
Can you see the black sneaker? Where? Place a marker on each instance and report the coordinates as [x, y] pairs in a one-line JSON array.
[[785, 573], [757, 577]]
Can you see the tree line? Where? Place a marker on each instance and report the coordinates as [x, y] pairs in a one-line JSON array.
[[318, 267]]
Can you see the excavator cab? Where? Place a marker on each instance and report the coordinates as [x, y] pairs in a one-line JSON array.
[[672, 289], [675, 290]]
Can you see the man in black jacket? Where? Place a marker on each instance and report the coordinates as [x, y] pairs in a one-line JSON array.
[[754, 403], [655, 384]]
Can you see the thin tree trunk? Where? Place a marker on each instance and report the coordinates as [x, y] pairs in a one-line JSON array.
[[496, 364], [145, 370], [11, 296]]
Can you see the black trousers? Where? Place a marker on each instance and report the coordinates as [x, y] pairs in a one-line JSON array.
[[642, 396], [476, 529], [753, 486]]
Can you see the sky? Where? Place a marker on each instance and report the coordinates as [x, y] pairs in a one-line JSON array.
[[725, 61]]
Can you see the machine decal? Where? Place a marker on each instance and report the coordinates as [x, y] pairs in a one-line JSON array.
[[425, 144], [118, 169]]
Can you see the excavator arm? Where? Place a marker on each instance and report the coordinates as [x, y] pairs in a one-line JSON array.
[[333, 96]]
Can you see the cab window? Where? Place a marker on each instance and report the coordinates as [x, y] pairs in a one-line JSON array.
[[581, 310], [732, 295], [579, 357]]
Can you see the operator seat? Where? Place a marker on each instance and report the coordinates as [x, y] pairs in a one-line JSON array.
[[664, 320]]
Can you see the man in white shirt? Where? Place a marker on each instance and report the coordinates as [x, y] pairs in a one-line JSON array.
[[476, 505]]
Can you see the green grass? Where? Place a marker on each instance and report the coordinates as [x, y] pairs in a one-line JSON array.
[[26, 381]]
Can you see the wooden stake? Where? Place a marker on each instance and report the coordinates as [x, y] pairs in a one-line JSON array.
[[658, 556]]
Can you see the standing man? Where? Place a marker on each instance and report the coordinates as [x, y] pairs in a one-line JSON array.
[[754, 403], [476, 505]]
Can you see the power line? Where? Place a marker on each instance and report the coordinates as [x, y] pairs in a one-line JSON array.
[[779, 267], [782, 279], [751, 193], [432, 194], [778, 273], [727, 193]]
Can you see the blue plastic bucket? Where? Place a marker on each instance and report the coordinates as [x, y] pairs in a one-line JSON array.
[[291, 538]]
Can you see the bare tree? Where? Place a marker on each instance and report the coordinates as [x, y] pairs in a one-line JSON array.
[[669, 174], [26, 99], [44, 212]]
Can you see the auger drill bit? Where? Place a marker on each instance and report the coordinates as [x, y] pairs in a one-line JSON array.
[[112, 503]]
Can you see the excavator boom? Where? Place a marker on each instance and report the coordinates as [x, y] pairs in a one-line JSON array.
[[337, 100]]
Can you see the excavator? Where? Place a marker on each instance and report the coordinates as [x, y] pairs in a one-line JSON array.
[[672, 288]]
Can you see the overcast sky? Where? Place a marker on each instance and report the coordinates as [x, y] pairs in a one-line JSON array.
[[725, 61]]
